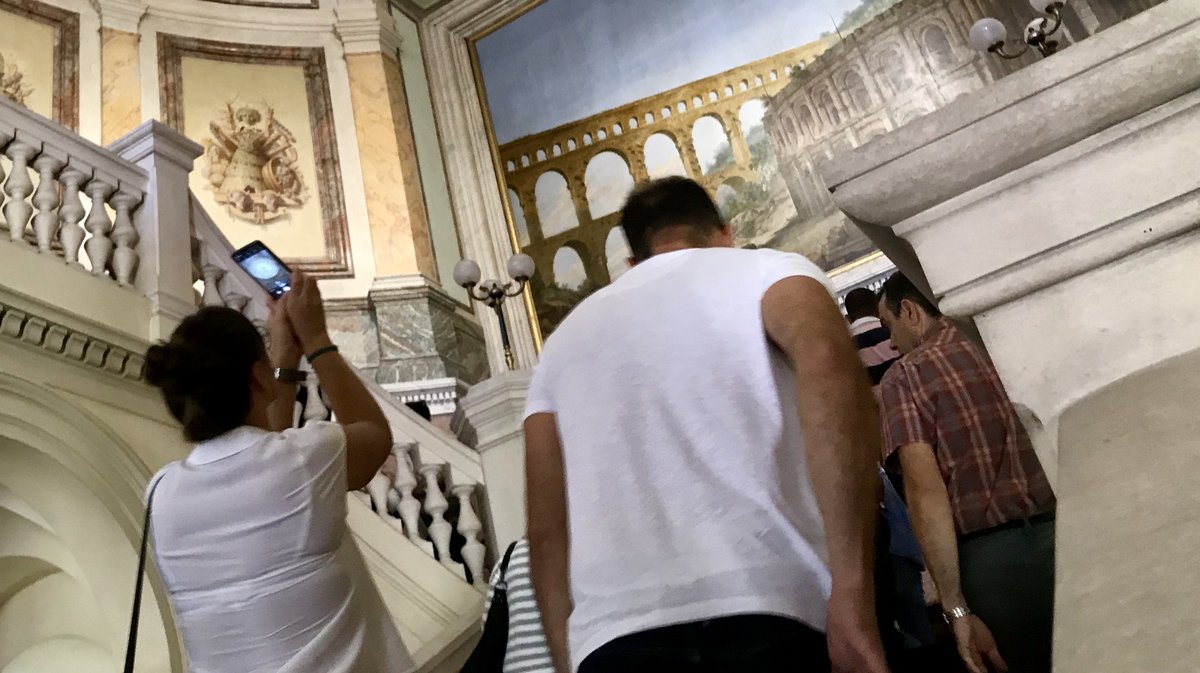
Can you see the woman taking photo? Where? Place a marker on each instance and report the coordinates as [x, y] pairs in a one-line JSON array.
[[250, 529]]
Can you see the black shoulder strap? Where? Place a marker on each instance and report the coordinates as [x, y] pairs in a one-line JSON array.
[[131, 648], [504, 562]]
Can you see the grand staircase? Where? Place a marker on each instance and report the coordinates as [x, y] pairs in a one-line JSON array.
[[102, 251]]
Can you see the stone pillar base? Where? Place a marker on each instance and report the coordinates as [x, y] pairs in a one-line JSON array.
[[417, 341]]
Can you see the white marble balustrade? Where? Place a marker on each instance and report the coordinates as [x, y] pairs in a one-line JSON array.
[[66, 197]]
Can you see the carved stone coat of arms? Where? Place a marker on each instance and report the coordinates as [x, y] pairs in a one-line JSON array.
[[253, 167]]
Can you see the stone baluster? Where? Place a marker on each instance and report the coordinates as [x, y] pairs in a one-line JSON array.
[[378, 489], [469, 526], [18, 188], [45, 199], [237, 301], [4, 138], [213, 274], [436, 506], [125, 237], [314, 408], [70, 232], [407, 506], [99, 246]]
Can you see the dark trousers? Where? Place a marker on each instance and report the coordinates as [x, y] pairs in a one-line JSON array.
[[751, 643], [1008, 581]]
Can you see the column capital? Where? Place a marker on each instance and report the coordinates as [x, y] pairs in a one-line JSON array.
[[366, 27], [156, 138], [123, 15]]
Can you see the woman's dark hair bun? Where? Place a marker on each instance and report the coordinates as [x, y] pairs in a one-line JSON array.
[[204, 371], [164, 364]]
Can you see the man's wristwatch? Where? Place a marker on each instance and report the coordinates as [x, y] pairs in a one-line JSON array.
[[290, 376], [954, 614]]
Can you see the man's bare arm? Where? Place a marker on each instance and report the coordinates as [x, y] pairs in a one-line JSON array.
[[549, 540], [840, 423], [932, 520], [839, 420]]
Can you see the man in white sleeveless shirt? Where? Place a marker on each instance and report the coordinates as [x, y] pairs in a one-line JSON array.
[[701, 445]]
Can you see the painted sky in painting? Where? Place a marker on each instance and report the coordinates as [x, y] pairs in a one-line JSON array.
[[569, 59]]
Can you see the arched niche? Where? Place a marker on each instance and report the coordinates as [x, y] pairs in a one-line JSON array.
[[662, 156], [555, 207], [608, 182], [518, 213], [712, 144], [569, 271], [616, 251]]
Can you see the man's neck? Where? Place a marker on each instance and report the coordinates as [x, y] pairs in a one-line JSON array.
[[931, 325], [671, 246]]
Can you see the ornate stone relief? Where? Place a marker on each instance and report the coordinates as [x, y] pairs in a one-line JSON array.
[[251, 161], [12, 85]]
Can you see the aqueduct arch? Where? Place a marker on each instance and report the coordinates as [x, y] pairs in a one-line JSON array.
[[569, 149]]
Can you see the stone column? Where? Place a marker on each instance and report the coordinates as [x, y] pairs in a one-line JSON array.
[[578, 189], [120, 96], [737, 140], [495, 410], [426, 344], [472, 175], [637, 166], [691, 162], [163, 222], [533, 221], [391, 178]]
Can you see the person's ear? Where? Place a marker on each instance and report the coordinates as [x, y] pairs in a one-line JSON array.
[[262, 376], [725, 238], [632, 261]]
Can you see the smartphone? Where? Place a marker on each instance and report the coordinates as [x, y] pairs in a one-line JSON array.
[[265, 267]]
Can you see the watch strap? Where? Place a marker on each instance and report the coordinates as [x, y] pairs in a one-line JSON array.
[[290, 376], [954, 614]]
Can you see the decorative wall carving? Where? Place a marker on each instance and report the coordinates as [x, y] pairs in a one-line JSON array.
[[64, 88], [269, 146], [12, 81], [252, 164]]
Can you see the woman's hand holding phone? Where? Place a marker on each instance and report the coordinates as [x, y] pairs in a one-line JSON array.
[[306, 312], [286, 350]]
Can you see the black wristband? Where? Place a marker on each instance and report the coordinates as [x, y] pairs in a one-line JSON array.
[[319, 352]]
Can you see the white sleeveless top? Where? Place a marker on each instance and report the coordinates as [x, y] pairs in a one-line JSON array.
[[251, 539], [688, 489]]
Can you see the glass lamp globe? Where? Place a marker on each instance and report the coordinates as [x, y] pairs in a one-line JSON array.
[[521, 267], [467, 273], [986, 34], [1046, 6]]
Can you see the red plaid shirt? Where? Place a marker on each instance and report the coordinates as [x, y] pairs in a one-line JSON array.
[[946, 394]]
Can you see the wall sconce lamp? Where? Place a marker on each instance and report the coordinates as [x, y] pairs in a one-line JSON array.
[[493, 293], [990, 35]]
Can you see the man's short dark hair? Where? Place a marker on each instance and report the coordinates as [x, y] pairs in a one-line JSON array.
[[861, 303], [898, 288], [667, 203]]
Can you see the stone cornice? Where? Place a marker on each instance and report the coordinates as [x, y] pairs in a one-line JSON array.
[[122, 15], [69, 343], [366, 27]]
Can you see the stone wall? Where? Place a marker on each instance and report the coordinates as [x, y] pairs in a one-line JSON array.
[[907, 62]]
